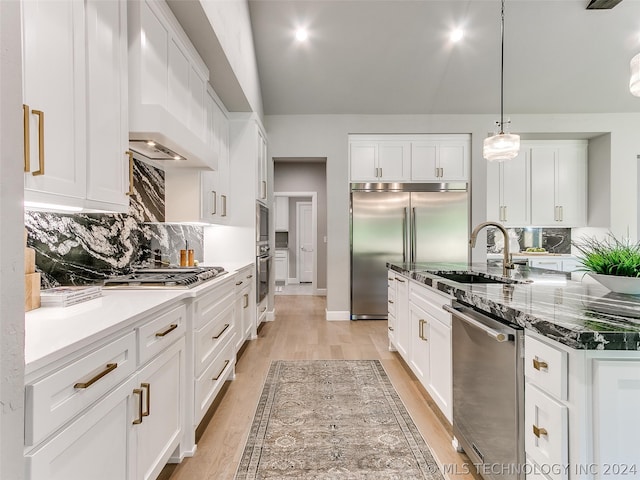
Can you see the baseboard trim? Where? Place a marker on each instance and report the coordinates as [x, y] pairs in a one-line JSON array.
[[271, 316], [337, 315], [321, 292]]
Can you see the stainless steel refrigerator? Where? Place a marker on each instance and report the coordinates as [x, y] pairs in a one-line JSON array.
[[402, 223]]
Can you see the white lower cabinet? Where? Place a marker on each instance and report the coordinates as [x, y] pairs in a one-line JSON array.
[[420, 330], [96, 445], [245, 306], [113, 412]]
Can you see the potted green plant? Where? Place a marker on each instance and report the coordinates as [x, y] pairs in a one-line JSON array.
[[613, 262]]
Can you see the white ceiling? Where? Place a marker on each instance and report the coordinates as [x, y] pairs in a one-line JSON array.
[[394, 57]]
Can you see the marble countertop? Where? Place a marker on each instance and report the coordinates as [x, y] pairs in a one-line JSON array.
[[561, 306], [54, 332]]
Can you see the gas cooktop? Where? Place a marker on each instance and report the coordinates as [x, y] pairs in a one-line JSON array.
[[167, 277]]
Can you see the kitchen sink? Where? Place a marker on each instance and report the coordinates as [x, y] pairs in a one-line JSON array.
[[475, 277]]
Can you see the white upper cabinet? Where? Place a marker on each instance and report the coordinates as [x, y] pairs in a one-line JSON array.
[[379, 161], [282, 214], [409, 158], [441, 158], [75, 93], [262, 166], [167, 84], [559, 183], [508, 191]]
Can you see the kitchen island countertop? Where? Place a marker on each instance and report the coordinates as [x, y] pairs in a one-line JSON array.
[[557, 305]]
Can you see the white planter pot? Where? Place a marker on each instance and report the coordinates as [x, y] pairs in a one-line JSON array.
[[617, 284]]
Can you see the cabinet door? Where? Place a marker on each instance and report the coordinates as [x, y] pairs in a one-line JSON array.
[[281, 267], [282, 214], [494, 192], [549, 264], [107, 122], [543, 185], [96, 445], [403, 327], [363, 161], [424, 161], [261, 186], [162, 384], [514, 181], [419, 353], [393, 161], [54, 84], [440, 381], [571, 185], [454, 162]]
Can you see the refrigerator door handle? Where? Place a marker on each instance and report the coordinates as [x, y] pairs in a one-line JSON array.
[[404, 234], [413, 235]]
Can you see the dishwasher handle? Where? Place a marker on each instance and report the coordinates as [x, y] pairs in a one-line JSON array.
[[495, 334]]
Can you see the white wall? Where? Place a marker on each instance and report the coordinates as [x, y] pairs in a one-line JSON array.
[[326, 136], [11, 246], [232, 24]]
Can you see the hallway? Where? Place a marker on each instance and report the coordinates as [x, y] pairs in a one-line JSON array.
[[301, 332]]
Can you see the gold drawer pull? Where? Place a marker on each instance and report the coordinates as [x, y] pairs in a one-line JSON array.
[[246, 300], [226, 362], [239, 283], [214, 202], [537, 431], [226, 325], [391, 329], [40, 115], [390, 301], [171, 328], [147, 386], [250, 276], [109, 368], [130, 154], [539, 364], [399, 280], [138, 391]]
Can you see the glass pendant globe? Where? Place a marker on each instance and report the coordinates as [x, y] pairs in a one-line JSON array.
[[501, 147], [634, 82]]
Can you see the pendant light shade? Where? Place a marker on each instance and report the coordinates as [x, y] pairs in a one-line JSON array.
[[502, 146], [634, 83]]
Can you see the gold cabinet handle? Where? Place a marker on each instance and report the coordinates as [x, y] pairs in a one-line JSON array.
[[246, 300], [399, 280], [250, 276], [239, 283], [390, 301], [130, 154], [138, 391], [171, 328], [108, 369], [537, 431], [226, 362], [540, 364], [215, 337], [390, 328], [147, 387], [26, 137], [224, 205], [264, 189], [214, 203], [40, 115], [421, 329]]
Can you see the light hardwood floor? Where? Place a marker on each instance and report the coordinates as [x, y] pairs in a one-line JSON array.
[[301, 332]]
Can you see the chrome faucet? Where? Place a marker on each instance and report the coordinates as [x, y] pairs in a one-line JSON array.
[[507, 264]]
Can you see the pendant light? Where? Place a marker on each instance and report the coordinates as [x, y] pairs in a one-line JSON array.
[[634, 83], [502, 146]]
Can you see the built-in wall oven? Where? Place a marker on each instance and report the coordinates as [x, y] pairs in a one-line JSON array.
[[263, 252]]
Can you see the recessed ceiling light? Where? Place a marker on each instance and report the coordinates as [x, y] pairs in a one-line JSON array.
[[302, 34], [456, 35]]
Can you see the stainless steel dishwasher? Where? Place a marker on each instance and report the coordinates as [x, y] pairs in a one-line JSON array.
[[488, 392]]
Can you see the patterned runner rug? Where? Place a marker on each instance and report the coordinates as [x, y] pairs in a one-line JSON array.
[[333, 419]]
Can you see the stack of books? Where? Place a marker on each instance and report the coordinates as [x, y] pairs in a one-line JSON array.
[[67, 296]]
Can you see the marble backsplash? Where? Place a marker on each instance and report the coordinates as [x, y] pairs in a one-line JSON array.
[[82, 249], [553, 240]]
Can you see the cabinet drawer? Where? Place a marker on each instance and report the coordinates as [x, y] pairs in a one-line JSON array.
[[391, 301], [212, 336], [244, 278], [156, 335], [546, 430], [546, 367], [430, 301], [61, 396], [212, 303], [209, 383]]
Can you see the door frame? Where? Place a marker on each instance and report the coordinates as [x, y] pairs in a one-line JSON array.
[[314, 231]]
